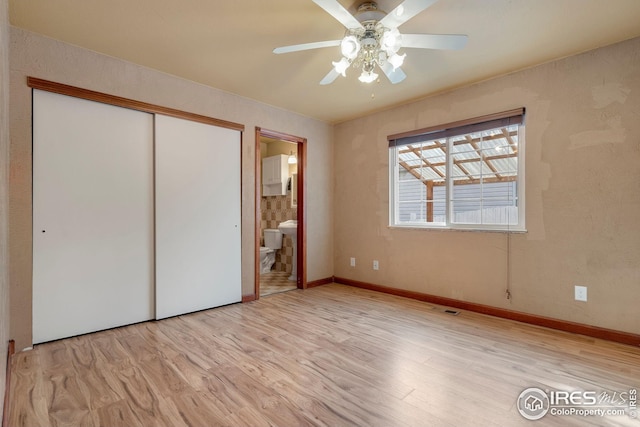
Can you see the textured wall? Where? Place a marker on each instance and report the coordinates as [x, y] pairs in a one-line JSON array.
[[582, 156], [4, 192], [34, 55]]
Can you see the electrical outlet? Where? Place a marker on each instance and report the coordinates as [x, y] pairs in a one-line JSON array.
[[581, 293], [376, 266], [352, 262]]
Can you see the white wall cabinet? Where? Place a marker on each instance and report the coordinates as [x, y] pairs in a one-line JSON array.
[[275, 173], [97, 232]]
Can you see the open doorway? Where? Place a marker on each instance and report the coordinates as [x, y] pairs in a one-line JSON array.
[[280, 246]]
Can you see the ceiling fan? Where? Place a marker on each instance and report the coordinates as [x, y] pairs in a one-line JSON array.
[[372, 39]]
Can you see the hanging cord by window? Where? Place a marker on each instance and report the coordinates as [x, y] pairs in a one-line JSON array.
[[508, 290]]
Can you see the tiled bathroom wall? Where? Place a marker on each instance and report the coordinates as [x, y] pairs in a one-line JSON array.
[[276, 209]]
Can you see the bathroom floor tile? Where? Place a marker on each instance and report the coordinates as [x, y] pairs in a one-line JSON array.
[[275, 282]]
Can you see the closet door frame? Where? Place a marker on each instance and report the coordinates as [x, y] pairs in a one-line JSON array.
[[76, 92], [86, 94]]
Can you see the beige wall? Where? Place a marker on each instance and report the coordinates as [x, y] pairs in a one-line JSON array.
[[4, 191], [582, 196], [34, 55]]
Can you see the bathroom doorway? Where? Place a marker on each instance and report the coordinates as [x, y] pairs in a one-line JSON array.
[[280, 249]]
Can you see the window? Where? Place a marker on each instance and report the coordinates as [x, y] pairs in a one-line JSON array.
[[463, 175]]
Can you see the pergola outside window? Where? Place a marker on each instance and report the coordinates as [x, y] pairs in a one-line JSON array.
[[463, 175]]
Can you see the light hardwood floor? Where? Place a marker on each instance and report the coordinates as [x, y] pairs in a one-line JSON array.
[[328, 356]]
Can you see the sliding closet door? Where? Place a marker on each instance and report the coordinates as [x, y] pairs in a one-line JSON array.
[[197, 216], [92, 216]]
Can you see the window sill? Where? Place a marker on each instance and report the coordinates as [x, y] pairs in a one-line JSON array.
[[464, 229]]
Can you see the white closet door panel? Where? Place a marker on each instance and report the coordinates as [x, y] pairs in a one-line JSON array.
[[197, 216], [92, 216]]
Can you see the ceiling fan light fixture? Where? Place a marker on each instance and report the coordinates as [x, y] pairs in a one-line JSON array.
[[350, 46], [396, 60], [372, 39], [391, 41], [368, 77], [368, 42], [341, 66]]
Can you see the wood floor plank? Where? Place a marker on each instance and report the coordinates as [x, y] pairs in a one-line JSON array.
[[147, 405], [195, 410], [92, 370], [328, 356], [110, 349], [274, 407], [118, 414], [69, 399], [27, 380]]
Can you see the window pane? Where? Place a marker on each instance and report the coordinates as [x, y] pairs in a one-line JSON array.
[[467, 212], [421, 168], [412, 212]]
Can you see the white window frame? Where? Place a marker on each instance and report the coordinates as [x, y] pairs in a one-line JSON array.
[[394, 170]]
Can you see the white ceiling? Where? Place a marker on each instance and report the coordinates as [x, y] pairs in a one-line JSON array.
[[228, 44]]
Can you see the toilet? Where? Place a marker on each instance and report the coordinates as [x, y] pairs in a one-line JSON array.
[[272, 242]]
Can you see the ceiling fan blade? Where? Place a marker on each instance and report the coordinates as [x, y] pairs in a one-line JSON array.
[[330, 77], [435, 41], [306, 46], [405, 11], [335, 9], [394, 76]]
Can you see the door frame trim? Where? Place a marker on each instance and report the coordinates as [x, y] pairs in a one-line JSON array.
[[302, 211]]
